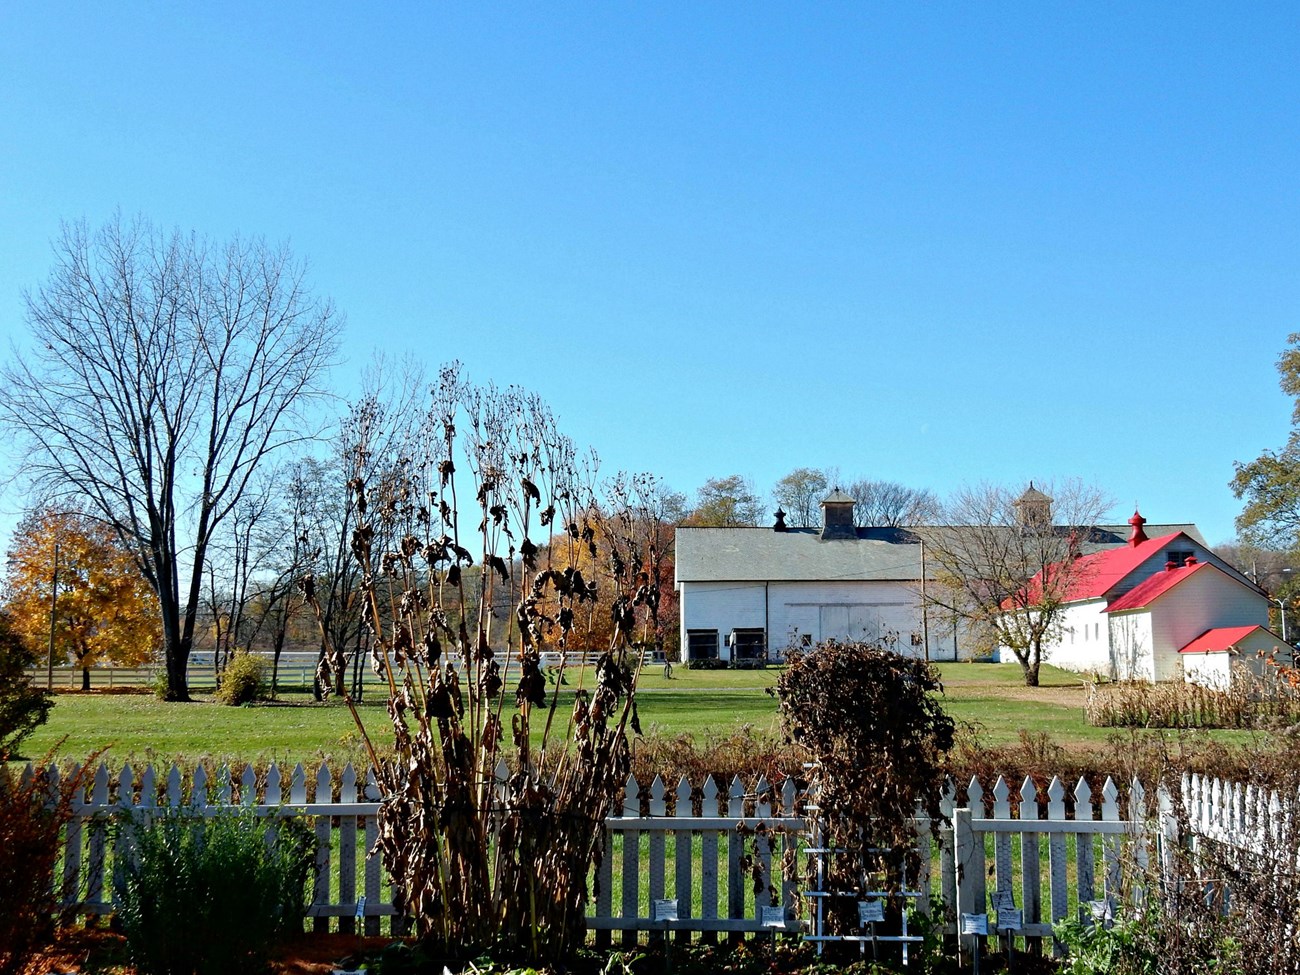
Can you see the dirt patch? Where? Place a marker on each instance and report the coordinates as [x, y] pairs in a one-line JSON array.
[[1070, 697]]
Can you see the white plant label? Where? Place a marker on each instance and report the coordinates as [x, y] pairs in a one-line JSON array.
[[1011, 919], [974, 924], [663, 910], [871, 911]]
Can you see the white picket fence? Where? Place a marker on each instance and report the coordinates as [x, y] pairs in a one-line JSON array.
[[688, 845]]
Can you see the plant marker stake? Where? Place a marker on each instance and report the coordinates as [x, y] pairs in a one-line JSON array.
[[665, 911], [869, 912], [774, 918], [975, 924]]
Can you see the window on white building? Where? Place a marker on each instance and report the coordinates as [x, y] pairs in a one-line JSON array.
[[702, 644], [749, 644]]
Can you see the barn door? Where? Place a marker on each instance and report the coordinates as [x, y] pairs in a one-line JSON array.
[[835, 623]]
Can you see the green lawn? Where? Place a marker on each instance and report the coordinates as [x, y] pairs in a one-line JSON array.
[[139, 728]]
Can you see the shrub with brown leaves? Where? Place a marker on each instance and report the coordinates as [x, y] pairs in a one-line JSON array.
[[871, 720], [33, 812]]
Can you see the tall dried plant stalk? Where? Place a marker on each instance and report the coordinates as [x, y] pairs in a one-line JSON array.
[[489, 835]]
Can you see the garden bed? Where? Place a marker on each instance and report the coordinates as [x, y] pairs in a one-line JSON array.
[[104, 952]]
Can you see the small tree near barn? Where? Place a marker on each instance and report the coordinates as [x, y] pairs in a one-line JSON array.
[[870, 719], [1007, 562]]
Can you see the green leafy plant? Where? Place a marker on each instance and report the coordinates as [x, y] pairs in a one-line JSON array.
[[158, 684], [244, 680], [1093, 949], [210, 896]]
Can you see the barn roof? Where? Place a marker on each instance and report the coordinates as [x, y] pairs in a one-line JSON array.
[[800, 555], [1223, 638], [1149, 590]]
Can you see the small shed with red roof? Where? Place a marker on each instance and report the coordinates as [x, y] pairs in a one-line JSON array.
[[1209, 660]]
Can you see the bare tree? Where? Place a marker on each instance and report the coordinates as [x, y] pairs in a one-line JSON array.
[[1006, 568], [375, 444], [892, 505], [164, 370]]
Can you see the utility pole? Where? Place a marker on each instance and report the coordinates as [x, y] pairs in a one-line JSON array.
[[925, 609], [54, 612]]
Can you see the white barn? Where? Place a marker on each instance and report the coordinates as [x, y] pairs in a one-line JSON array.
[[747, 594], [1210, 658]]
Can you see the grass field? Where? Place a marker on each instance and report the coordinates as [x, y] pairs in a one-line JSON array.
[[700, 703]]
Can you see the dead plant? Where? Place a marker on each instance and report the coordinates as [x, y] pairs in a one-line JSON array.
[[493, 804]]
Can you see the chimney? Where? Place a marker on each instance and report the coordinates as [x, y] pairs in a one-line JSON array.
[[1137, 536], [837, 517], [1190, 561], [1171, 565]]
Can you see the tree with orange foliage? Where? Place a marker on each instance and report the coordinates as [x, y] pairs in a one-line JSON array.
[[632, 527], [105, 610]]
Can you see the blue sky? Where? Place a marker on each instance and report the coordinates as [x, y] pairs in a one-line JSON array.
[[933, 243]]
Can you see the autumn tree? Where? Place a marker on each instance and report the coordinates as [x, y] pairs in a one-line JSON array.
[[631, 526], [1006, 562], [640, 517], [105, 610], [162, 371], [726, 502]]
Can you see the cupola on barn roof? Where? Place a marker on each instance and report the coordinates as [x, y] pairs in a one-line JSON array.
[[1033, 508], [837, 516]]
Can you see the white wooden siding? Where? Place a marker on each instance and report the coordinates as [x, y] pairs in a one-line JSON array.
[[843, 611], [1205, 600], [1212, 670], [1084, 642], [820, 610], [721, 606], [1131, 644]]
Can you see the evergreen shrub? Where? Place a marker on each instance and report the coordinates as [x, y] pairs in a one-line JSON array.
[[210, 896]]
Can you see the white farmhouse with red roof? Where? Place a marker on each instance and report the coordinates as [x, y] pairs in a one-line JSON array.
[[1134, 612]]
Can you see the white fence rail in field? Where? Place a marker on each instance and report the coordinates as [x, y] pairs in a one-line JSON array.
[[691, 844], [296, 671]]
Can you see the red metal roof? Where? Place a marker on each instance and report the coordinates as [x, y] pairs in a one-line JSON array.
[[1144, 593], [1223, 638], [1095, 575]]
